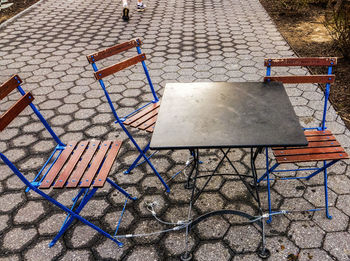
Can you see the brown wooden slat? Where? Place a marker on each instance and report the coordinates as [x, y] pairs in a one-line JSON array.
[[119, 66], [50, 177], [141, 113], [9, 86], [312, 157], [305, 151], [82, 165], [65, 173], [145, 118], [317, 133], [313, 144], [113, 50], [301, 78], [151, 128], [301, 61], [95, 164], [15, 109], [148, 123], [320, 138], [107, 165]]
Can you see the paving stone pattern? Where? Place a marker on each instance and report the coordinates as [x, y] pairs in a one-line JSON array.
[[185, 41]]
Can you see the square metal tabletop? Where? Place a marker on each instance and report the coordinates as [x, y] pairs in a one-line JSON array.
[[226, 115]]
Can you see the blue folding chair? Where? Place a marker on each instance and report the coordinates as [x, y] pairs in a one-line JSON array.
[[322, 146], [143, 118], [84, 165]]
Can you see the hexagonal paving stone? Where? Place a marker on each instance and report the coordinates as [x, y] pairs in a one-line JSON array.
[[337, 243], [338, 222], [147, 228], [243, 238], [109, 249], [281, 248], [343, 203], [143, 253], [315, 195], [10, 201], [212, 228], [29, 213], [3, 222], [18, 237], [42, 252], [314, 254], [306, 234], [51, 224], [112, 219], [151, 202], [82, 235], [77, 255], [209, 202], [212, 252]]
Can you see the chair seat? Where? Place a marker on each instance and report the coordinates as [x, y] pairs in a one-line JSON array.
[[82, 164], [322, 146], [144, 119]]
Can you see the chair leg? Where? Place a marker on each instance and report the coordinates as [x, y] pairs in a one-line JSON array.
[[68, 222], [133, 165], [142, 154], [126, 194], [326, 191]]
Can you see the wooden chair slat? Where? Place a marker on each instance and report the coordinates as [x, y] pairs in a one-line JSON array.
[[313, 144], [305, 151], [317, 133], [312, 157], [119, 66], [301, 61], [145, 118], [51, 175], [320, 138], [70, 165], [95, 165], [9, 86], [148, 123], [141, 113], [75, 177], [113, 50], [15, 109], [107, 165], [151, 128], [301, 78]]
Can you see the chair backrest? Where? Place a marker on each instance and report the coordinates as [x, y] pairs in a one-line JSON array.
[[116, 49], [327, 79], [7, 117]]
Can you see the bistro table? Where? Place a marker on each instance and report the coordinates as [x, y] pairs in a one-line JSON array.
[[225, 115]]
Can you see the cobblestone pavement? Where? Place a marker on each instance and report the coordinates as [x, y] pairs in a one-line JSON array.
[[185, 41]]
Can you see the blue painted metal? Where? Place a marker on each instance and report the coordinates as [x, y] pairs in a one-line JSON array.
[[148, 77], [113, 184], [58, 204], [121, 217], [326, 96], [326, 189], [41, 118], [135, 111], [321, 169]]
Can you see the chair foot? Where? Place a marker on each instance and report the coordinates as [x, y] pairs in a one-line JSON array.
[[264, 253], [186, 256], [269, 220], [329, 217], [126, 171]]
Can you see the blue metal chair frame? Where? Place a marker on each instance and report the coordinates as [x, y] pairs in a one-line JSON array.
[[322, 127], [83, 196], [93, 58]]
